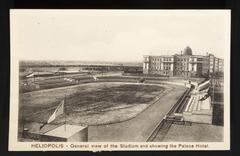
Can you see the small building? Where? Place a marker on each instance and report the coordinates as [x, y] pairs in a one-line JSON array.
[[66, 133]]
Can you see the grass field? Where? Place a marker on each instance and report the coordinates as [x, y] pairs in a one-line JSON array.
[[91, 104]]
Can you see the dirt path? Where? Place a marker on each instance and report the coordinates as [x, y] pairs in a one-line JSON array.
[[138, 128]]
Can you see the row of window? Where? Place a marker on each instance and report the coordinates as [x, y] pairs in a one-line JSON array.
[[161, 64], [176, 68], [167, 59], [162, 59], [159, 67], [182, 59], [182, 64]]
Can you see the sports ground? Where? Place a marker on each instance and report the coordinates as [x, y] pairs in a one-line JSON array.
[[114, 111], [90, 104]]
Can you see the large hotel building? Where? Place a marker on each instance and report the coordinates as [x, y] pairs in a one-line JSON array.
[[183, 64]]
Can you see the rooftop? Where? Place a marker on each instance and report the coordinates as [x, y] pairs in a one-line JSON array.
[[158, 55]]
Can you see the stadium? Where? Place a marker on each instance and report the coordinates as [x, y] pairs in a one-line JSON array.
[[114, 105]]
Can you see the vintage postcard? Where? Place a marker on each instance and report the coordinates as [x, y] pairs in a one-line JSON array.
[[106, 80]]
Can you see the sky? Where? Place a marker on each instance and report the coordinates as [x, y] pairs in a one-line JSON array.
[[117, 35]]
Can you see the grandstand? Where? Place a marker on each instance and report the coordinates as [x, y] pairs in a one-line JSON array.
[[198, 108], [194, 105], [28, 86]]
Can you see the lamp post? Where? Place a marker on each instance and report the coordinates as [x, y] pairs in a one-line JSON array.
[[188, 75], [213, 87]]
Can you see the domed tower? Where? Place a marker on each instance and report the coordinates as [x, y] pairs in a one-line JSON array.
[[187, 51]]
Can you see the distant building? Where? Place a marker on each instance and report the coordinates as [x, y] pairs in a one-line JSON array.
[[216, 65], [184, 64]]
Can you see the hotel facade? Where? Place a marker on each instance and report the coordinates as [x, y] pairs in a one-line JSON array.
[[184, 64]]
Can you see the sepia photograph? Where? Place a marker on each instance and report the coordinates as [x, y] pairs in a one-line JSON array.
[[120, 80]]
